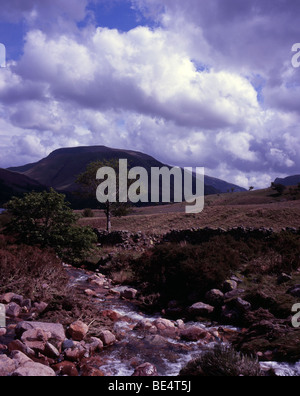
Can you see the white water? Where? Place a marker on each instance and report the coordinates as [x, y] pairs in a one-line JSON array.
[[169, 355]]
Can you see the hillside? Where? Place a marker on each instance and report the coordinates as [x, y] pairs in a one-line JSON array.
[[14, 184], [60, 168], [288, 181], [261, 208]]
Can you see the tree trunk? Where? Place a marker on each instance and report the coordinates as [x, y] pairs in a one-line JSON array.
[[108, 217]]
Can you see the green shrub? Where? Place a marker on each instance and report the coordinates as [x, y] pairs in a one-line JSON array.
[[222, 361], [46, 220]]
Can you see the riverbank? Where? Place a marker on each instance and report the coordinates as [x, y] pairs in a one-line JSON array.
[[95, 325]]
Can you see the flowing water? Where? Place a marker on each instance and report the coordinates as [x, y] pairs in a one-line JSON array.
[[135, 347]]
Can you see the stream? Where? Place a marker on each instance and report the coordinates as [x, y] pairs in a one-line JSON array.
[[168, 354]]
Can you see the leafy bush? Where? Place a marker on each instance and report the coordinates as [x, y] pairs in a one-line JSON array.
[[46, 220], [31, 272], [177, 271], [222, 361]]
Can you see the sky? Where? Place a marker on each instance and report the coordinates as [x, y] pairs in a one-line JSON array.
[[192, 83]]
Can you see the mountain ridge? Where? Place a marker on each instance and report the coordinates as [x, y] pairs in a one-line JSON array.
[[16, 184], [61, 167], [288, 181]]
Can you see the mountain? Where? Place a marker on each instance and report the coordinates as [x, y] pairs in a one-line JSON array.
[[15, 184], [289, 181], [60, 169]]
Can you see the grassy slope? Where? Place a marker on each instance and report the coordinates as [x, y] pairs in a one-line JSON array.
[[260, 208]]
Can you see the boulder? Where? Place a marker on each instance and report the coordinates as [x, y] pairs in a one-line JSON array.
[[145, 370], [13, 310], [19, 358], [78, 330], [90, 293], [7, 366], [229, 285], [95, 345], [241, 305], [50, 351], [40, 307], [201, 309], [193, 334], [11, 297], [157, 341], [35, 339], [32, 369], [146, 325], [129, 294], [165, 327], [215, 297], [56, 330], [112, 315], [66, 369], [76, 353], [18, 345], [107, 337], [19, 365]]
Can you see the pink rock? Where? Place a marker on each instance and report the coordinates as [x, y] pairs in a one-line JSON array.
[[193, 334], [13, 310], [107, 338], [145, 370], [78, 330]]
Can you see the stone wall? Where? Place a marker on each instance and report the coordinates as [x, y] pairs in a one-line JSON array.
[[139, 240]]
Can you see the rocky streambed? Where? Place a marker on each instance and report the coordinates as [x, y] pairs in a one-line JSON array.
[[140, 338], [134, 343]]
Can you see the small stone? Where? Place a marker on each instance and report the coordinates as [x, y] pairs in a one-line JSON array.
[[229, 285], [66, 368], [201, 309], [78, 330], [145, 370], [129, 294], [193, 334], [13, 310], [50, 351], [283, 278], [3, 331], [90, 293], [40, 307]]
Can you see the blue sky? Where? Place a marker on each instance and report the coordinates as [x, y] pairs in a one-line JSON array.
[[193, 83], [119, 15]]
